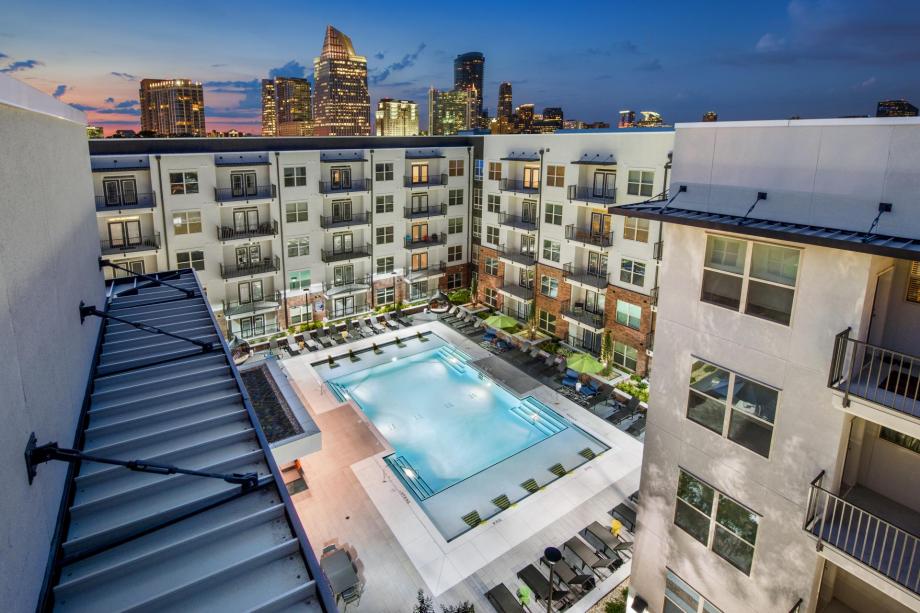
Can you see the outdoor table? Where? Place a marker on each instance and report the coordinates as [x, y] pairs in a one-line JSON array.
[[340, 571]]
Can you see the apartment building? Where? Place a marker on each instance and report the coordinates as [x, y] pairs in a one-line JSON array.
[[549, 246], [781, 469], [319, 229]]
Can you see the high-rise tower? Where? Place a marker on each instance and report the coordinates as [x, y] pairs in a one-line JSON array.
[[172, 107], [342, 103], [468, 74]]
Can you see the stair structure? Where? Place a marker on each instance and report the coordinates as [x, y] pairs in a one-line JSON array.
[[539, 416]]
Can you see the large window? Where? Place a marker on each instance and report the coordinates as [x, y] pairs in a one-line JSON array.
[[490, 297], [476, 228], [492, 235], [454, 197], [635, 229], [679, 597], [301, 314], [296, 211], [384, 235], [454, 280], [190, 259], [295, 176], [477, 199], [385, 295], [549, 286], [632, 272], [553, 214], [455, 253], [384, 204], [755, 278], [455, 225], [495, 171], [640, 183], [551, 250], [494, 203], [299, 280], [629, 314], [477, 170], [900, 439], [297, 247], [490, 266], [385, 265], [625, 356], [546, 321], [183, 183], [455, 168], [717, 521], [383, 171], [555, 176], [732, 406], [187, 222]]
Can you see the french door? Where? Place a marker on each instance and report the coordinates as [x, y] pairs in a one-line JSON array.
[[419, 261], [341, 210], [343, 275], [525, 278], [252, 326], [248, 256], [341, 177], [600, 224], [250, 291], [125, 233], [135, 266], [528, 244], [597, 263], [419, 203], [419, 232], [119, 191], [246, 220], [604, 184], [594, 302], [343, 243], [343, 306], [529, 211], [243, 183], [420, 173], [532, 177]]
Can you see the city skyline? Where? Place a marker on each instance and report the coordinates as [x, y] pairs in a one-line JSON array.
[[849, 54]]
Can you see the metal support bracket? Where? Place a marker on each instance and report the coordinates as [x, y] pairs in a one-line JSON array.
[[87, 311], [760, 196], [151, 281], [883, 207]]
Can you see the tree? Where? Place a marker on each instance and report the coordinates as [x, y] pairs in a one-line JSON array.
[[474, 286], [424, 604], [532, 320], [606, 352], [463, 607]]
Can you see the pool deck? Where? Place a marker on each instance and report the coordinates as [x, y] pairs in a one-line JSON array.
[[355, 502]]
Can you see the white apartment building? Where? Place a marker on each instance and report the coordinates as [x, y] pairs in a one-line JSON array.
[[782, 455], [289, 230]]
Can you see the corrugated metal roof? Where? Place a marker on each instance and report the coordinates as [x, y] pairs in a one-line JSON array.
[[241, 159], [328, 157], [136, 540], [110, 164], [522, 156], [423, 154], [597, 159]]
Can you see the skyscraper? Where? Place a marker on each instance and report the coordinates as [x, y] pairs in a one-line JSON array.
[[627, 119], [524, 122], [343, 104], [711, 116], [269, 108], [553, 119], [504, 123], [396, 118], [468, 75], [172, 107], [449, 111], [295, 114], [895, 108]]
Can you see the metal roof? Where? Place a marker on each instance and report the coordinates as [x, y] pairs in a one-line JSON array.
[[241, 159], [836, 238], [423, 154], [110, 164], [137, 540], [342, 156], [598, 159], [522, 156]]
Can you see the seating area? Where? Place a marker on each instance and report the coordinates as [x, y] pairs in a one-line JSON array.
[[342, 333]]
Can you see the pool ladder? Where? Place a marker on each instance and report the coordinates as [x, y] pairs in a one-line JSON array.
[[340, 392], [539, 416], [419, 488], [453, 358]]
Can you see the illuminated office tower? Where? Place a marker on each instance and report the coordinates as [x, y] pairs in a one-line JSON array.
[[396, 118], [895, 108], [295, 115], [172, 107], [627, 119], [524, 122], [343, 104], [269, 108], [710, 116], [449, 111], [468, 75]]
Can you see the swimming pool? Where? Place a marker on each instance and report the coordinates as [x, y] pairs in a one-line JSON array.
[[462, 443]]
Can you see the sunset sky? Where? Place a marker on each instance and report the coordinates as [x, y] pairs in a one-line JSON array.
[[750, 60]]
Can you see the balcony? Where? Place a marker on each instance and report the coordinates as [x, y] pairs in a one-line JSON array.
[[346, 286], [428, 241], [884, 383], [585, 276], [150, 242], [432, 270], [340, 255], [583, 317], [435, 210], [340, 221], [516, 290], [118, 203], [581, 345], [430, 181], [517, 256], [235, 309], [250, 333], [863, 538], [344, 187], [589, 237], [266, 266], [591, 195], [517, 186], [518, 222], [237, 194], [227, 233]]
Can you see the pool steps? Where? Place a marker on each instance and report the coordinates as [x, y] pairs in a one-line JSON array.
[[546, 420], [400, 466], [453, 358]]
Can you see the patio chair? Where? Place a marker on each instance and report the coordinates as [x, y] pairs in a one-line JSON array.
[[310, 343], [389, 323], [489, 335], [353, 595], [323, 337], [571, 378], [366, 326], [565, 573], [589, 389], [344, 335], [540, 586], [608, 542], [503, 346], [374, 324], [293, 346], [449, 313], [504, 600], [590, 558], [359, 330]]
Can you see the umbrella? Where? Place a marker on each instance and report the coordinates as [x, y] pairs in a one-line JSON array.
[[584, 363], [501, 321]]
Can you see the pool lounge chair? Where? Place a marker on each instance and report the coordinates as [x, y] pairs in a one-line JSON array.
[[539, 584], [311, 344], [374, 324], [489, 335], [610, 544], [567, 575], [503, 600], [402, 319], [358, 329], [571, 378], [589, 558], [451, 312], [292, 345], [589, 389], [365, 325], [327, 334], [343, 335]]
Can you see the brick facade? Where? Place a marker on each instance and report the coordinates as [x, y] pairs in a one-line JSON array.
[[486, 280], [625, 334], [463, 269], [553, 305]]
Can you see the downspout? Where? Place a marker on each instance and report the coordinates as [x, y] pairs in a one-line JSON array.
[[163, 212], [281, 221], [371, 210], [469, 217], [537, 250]]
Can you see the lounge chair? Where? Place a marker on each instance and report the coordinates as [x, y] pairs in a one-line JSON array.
[[571, 378], [589, 558], [568, 576], [359, 330], [344, 335], [637, 427], [390, 323], [374, 324], [322, 338], [503, 600], [329, 335], [310, 343], [489, 335], [540, 586], [449, 313], [368, 329], [292, 345], [589, 389], [503, 346], [609, 542], [393, 317]]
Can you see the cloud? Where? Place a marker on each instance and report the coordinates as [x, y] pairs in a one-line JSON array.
[[867, 83], [291, 69], [770, 43], [60, 90], [125, 107], [379, 55], [407, 61], [217, 65], [22, 65], [653, 65], [110, 100], [127, 104], [3, 55], [82, 107], [124, 75]]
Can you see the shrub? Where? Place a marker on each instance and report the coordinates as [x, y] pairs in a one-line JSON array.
[[460, 296], [424, 604], [639, 388], [617, 605], [463, 607]]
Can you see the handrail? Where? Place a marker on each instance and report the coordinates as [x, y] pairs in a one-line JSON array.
[[433, 180], [517, 185], [227, 194], [141, 201], [517, 221], [269, 264], [432, 210], [356, 219], [227, 233], [329, 255], [586, 194], [588, 236], [141, 243], [355, 185]]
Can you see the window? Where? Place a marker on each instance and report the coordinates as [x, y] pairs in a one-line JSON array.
[[549, 286], [384, 235], [454, 197], [766, 290], [476, 230], [183, 183], [732, 406], [546, 321], [632, 272], [477, 199], [455, 280], [900, 439], [490, 297], [716, 521], [493, 203], [297, 247], [679, 597], [385, 265], [455, 225], [385, 295], [296, 211], [640, 183], [477, 169], [301, 314], [454, 253], [555, 176], [383, 171], [625, 356], [384, 204], [635, 229], [299, 280], [495, 171], [913, 283], [553, 214], [190, 259], [455, 168], [187, 222], [492, 235], [295, 176], [629, 314], [490, 266], [550, 250]]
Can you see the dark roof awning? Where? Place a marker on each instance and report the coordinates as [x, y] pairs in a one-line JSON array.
[[342, 156], [107, 164], [241, 159], [597, 159], [835, 238], [522, 156], [423, 154]]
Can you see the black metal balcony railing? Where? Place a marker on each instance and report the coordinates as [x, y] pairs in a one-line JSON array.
[[427, 241], [339, 221], [229, 194], [584, 317], [518, 186], [587, 236], [589, 346], [125, 245], [235, 308], [870, 540], [429, 181], [519, 222], [586, 276], [266, 265], [592, 194], [140, 201], [338, 255], [434, 268], [256, 331], [519, 291], [346, 285], [434, 210], [343, 187], [228, 233], [881, 376], [516, 255]]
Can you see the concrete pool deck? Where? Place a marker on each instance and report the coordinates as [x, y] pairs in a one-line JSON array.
[[355, 501]]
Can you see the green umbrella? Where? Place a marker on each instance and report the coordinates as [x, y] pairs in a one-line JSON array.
[[501, 321], [584, 363]]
